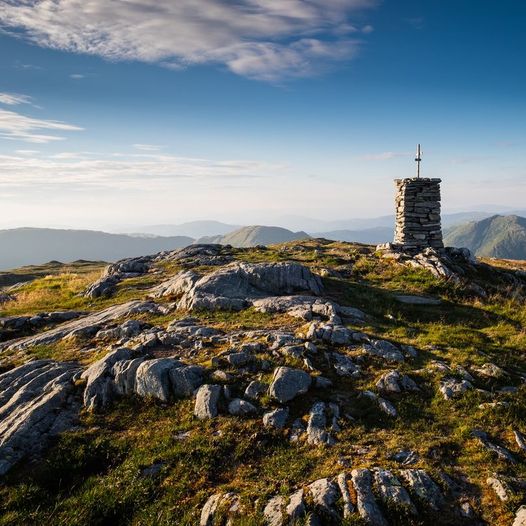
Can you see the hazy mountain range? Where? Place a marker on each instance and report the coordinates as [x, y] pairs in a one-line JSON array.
[[484, 234], [24, 246]]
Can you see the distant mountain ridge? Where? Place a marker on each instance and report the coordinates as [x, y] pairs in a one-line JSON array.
[[194, 229], [251, 236], [25, 246], [497, 236], [370, 236], [315, 227]]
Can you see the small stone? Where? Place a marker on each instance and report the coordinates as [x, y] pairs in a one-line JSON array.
[[418, 300], [255, 389], [273, 511], [500, 487], [519, 438], [310, 347], [276, 418], [500, 451], [385, 350], [365, 501], [520, 517], [405, 457], [296, 507], [153, 378], [395, 382], [343, 484], [454, 388], [423, 486], [239, 407], [206, 401], [391, 491], [344, 365], [490, 370], [239, 359], [316, 432], [221, 376], [322, 383], [324, 494]]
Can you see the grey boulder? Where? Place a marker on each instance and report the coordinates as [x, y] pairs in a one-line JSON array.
[[287, 383], [206, 401], [153, 378]]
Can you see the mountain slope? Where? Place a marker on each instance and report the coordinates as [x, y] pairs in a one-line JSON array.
[[497, 236], [24, 246], [251, 236]]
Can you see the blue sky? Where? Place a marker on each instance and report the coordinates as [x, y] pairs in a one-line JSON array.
[[117, 114]]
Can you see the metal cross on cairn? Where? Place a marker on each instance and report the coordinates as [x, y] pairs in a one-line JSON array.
[[418, 158]]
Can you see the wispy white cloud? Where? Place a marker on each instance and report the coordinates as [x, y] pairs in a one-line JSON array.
[[384, 156], [27, 152], [15, 126], [261, 39], [12, 99], [77, 76], [147, 147], [86, 169]]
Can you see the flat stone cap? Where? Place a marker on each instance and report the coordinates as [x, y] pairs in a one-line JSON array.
[[416, 179]]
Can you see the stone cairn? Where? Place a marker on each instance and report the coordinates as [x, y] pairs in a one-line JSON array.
[[418, 214]]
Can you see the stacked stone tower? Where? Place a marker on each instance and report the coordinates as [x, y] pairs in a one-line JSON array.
[[418, 214]]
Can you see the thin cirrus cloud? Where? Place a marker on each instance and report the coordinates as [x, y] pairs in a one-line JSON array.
[[119, 172], [268, 40], [13, 99], [18, 127], [147, 147], [15, 126]]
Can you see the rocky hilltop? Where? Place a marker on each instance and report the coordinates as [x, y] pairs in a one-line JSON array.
[[313, 382]]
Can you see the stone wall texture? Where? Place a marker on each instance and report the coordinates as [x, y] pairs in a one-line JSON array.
[[418, 214]]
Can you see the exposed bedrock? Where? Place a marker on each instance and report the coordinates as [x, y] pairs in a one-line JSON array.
[[238, 285], [36, 402], [88, 325]]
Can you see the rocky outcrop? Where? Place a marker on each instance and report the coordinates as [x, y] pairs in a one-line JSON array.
[[127, 268], [365, 501], [88, 325], [384, 350], [395, 382], [100, 387], [391, 491], [303, 307], [424, 488], [36, 403], [25, 323], [363, 494], [122, 372], [199, 254], [454, 388], [238, 285]]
